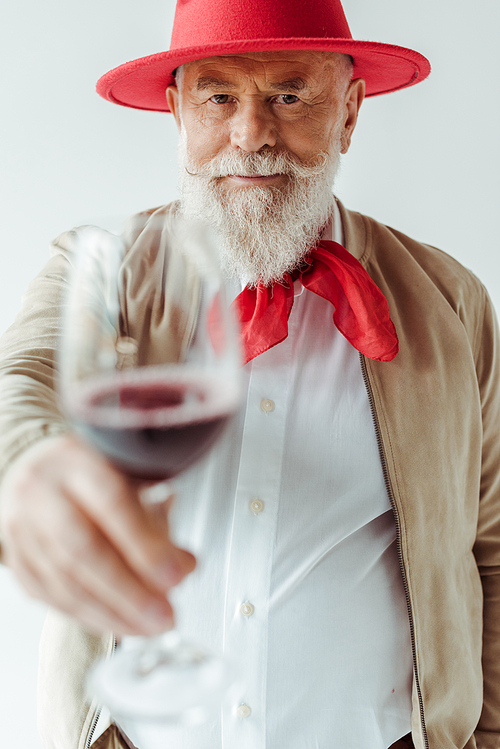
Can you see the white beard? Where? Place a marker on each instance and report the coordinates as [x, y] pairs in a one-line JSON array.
[[263, 231]]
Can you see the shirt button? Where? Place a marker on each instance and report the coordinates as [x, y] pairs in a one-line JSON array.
[[243, 711], [247, 609], [256, 505], [267, 405]]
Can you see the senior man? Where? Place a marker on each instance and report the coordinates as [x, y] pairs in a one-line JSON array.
[[348, 520]]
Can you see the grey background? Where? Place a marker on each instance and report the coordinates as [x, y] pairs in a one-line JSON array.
[[425, 160]]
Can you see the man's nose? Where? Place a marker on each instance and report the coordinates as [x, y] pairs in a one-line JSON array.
[[253, 127]]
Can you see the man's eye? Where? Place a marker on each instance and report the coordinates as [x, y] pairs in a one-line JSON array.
[[288, 98], [220, 98]]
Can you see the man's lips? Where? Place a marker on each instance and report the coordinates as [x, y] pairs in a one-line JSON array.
[[254, 179]]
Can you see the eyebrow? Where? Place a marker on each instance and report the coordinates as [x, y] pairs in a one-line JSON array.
[[292, 84]]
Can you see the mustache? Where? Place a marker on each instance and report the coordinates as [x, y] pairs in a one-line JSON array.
[[261, 164]]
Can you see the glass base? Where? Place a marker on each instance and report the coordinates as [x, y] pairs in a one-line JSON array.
[[161, 679]]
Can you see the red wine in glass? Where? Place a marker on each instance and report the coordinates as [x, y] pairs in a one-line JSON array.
[[151, 423]]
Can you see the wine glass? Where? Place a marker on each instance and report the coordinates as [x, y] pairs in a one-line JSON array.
[[149, 375]]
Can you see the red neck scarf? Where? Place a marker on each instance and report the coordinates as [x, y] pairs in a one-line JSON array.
[[361, 311]]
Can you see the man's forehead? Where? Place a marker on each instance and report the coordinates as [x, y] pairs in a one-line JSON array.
[[294, 64]]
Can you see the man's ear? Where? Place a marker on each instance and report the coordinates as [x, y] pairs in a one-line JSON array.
[[172, 94], [354, 99]]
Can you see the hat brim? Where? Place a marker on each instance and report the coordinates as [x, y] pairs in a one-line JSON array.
[[141, 83]]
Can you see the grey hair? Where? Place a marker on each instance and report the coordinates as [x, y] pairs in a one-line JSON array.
[[178, 74], [343, 66]]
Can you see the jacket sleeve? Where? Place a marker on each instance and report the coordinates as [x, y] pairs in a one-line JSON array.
[[487, 547], [29, 409]]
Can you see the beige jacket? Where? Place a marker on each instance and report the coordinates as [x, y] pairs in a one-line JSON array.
[[437, 413]]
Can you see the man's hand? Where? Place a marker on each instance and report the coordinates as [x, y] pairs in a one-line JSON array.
[[76, 536]]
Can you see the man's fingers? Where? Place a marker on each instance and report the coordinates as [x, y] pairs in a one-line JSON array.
[[64, 582], [113, 503], [72, 548], [77, 536], [68, 595], [97, 567]]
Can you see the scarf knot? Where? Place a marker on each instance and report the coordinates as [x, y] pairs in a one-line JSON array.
[[361, 311]]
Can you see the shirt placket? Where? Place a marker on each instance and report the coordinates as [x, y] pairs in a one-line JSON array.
[[252, 543]]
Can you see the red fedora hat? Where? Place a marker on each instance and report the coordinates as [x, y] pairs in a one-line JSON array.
[[209, 28]]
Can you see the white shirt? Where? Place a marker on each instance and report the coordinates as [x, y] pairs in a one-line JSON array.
[[298, 581]]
